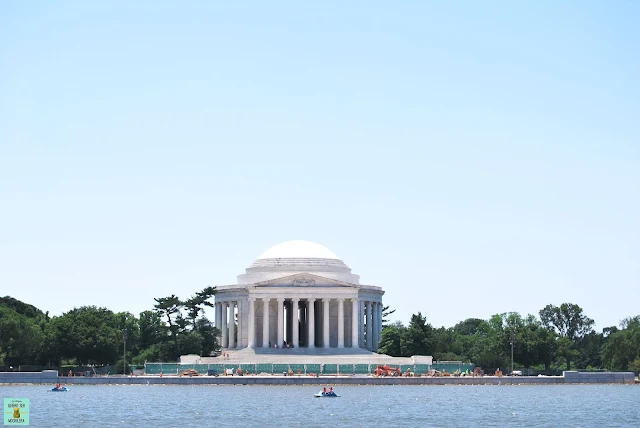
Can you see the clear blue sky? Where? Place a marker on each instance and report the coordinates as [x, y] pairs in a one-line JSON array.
[[471, 158]]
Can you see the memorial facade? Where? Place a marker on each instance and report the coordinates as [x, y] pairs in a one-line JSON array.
[[300, 294]]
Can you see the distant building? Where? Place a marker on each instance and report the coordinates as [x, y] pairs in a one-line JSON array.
[[301, 294]]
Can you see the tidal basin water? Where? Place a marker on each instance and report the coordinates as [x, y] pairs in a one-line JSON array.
[[409, 406]]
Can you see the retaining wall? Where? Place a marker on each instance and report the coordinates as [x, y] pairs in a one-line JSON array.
[[567, 378], [47, 376]]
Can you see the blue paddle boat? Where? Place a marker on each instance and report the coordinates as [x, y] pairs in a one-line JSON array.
[[59, 389], [326, 394]]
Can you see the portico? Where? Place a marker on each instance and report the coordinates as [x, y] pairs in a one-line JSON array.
[[299, 294]]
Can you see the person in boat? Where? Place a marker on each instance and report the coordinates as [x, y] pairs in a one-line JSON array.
[[324, 391], [58, 386]]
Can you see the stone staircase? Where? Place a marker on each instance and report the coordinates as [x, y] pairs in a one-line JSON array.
[[304, 356]]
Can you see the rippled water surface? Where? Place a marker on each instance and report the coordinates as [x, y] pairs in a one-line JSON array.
[[415, 406]]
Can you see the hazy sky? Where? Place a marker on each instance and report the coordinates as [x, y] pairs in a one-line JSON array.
[[470, 158]]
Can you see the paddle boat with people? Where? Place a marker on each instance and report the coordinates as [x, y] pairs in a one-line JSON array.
[[326, 393], [59, 388]]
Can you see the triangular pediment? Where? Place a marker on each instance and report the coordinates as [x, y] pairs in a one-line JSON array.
[[304, 280]]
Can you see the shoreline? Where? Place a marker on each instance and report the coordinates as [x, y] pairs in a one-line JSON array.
[[568, 378]]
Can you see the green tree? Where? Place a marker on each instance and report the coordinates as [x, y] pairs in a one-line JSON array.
[[391, 339], [385, 315], [196, 303], [418, 338], [590, 351], [190, 342], [21, 308], [170, 308], [209, 335], [127, 322], [464, 339], [502, 329], [535, 344], [20, 338], [88, 334], [486, 346], [152, 330], [546, 346], [570, 323], [622, 348], [150, 354], [468, 327], [447, 345]]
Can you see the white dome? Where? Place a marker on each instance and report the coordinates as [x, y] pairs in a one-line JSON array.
[[295, 257], [298, 250]]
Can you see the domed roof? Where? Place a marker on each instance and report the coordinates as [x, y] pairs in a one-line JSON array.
[[294, 257], [298, 250]]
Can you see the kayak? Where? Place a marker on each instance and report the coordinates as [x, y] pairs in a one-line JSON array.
[[327, 394], [61, 389]]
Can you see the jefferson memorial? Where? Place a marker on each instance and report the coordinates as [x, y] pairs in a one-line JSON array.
[[300, 295]]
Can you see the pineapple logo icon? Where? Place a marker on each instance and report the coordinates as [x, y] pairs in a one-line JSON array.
[[16, 412]]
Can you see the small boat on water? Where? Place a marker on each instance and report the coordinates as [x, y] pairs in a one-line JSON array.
[[59, 389], [326, 394]]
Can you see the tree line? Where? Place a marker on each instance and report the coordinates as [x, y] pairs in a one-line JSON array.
[[560, 337], [91, 335]]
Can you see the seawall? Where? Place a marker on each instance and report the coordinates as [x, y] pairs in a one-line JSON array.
[[568, 378]]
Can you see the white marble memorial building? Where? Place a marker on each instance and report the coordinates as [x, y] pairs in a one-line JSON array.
[[299, 293]]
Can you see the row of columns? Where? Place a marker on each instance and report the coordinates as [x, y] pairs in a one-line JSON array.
[[371, 312], [311, 328], [365, 334]]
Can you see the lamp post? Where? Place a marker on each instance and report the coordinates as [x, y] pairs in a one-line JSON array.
[[513, 339], [124, 352]]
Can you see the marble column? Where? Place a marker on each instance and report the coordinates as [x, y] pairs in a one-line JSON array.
[[340, 323], [280, 335], [219, 321], [289, 323], [251, 330], [265, 322], [312, 323], [325, 323], [363, 344], [219, 311], [303, 323], [296, 325], [240, 343], [374, 324], [379, 326], [369, 334], [223, 326], [232, 325], [355, 336]]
